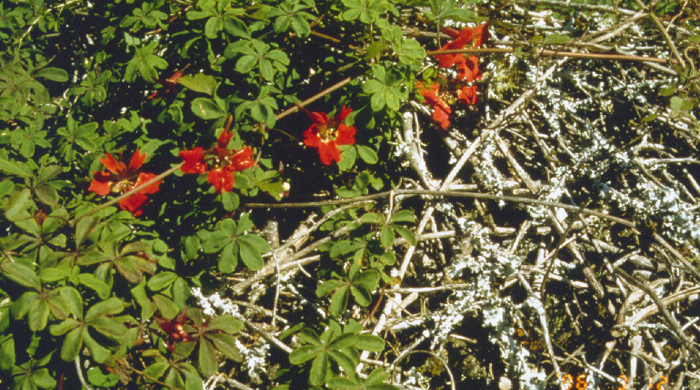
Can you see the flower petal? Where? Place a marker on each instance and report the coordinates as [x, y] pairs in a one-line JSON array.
[[311, 137], [329, 152], [194, 161], [344, 112], [241, 159], [467, 95], [102, 184], [112, 165], [481, 34], [134, 203], [144, 177], [136, 161], [221, 179], [345, 135], [224, 138]]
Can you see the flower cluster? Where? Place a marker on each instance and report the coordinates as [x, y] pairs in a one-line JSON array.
[[121, 179], [326, 134], [218, 163], [444, 93], [175, 329]]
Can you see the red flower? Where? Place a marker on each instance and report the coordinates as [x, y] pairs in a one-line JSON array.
[[175, 329], [466, 67], [443, 94], [169, 84], [219, 162], [441, 110], [467, 95], [326, 134], [121, 179]]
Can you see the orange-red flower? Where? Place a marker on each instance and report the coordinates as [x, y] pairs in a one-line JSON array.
[[441, 110], [169, 84], [218, 162], [443, 94], [467, 95], [467, 68], [121, 179], [326, 134]]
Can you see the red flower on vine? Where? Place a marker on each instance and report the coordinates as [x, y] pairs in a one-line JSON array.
[[441, 110], [326, 134], [169, 84], [218, 162], [467, 95], [121, 179], [467, 68], [443, 94]]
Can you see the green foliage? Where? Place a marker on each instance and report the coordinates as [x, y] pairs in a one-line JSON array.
[[335, 347]]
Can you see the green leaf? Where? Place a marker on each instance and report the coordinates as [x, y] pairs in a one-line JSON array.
[[109, 327], [19, 203], [207, 109], [161, 280], [251, 247], [328, 286], [72, 344], [166, 306], [7, 352], [246, 64], [226, 344], [100, 379], [63, 327], [339, 301], [303, 354], [387, 236], [367, 154], [83, 228], [15, 168], [402, 216], [230, 201], [319, 370], [38, 315], [308, 335], [369, 342], [98, 352], [110, 306], [47, 194], [20, 274], [213, 26], [361, 295], [556, 39], [225, 323], [42, 378], [100, 287], [406, 234], [53, 74], [207, 358]]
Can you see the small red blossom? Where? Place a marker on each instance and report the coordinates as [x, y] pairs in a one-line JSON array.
[[121, 179], [218, 162], [175, 329], [467, 95], [441, 110], [169, 85], [443, 94], [467, 68], [326, 134]]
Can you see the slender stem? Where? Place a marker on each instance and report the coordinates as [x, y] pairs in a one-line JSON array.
[[313, 98], [451, 194], [557, 53]]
